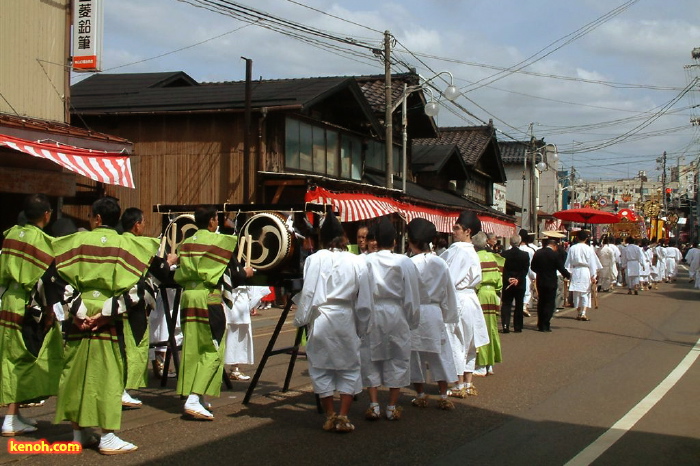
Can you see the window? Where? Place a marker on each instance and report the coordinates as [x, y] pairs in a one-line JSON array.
[[320, 150]]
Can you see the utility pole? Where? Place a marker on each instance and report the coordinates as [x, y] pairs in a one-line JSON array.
[[663, 181], [389, 139]]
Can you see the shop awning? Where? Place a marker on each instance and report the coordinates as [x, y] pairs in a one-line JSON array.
[[105, 167], [355, 207]]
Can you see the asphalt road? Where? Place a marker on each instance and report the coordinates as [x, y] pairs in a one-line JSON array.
[[551, 399]]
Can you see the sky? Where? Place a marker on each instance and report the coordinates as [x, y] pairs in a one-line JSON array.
[[609, 82]]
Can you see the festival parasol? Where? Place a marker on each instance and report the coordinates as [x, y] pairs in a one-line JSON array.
[[586, 215]]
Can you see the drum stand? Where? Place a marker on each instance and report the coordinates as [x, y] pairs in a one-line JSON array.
[[271, 351], [173, 351]]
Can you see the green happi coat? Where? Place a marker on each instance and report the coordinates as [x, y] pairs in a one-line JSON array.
[[100, 264], [136, 346], [487, 291], [204, 258], [26, 374]]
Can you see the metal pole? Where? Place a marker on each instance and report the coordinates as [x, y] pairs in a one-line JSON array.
[[387, 115], [404, 130]]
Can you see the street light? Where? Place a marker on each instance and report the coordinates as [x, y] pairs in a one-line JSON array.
[[431, 109], [548, 155]]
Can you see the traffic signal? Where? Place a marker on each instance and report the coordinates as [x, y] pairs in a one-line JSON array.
[[668, 195], [616, 205]]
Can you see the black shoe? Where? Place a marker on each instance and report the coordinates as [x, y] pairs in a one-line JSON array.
[[518, 330], [505, 330], [540, 330], [548, 329]]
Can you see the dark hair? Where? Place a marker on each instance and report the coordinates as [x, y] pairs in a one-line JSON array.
[[630, 240], [35, 206], [582, 235], [339, 242], [131, 217], [547, 241], [108, 209], [202, 215], [468, 219]]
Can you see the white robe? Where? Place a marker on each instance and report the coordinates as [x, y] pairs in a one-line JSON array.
[[239, 331], [336, 303], [471, 332], [673, 257], [689, 256], [661, 262], [653, 269], [633, 257], [695, 264], [608, 274], [438, 307], [396, 293], [583, 264], [531, 276]]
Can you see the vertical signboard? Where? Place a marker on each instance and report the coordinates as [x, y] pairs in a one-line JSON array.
[[499, 197], [88, 19]]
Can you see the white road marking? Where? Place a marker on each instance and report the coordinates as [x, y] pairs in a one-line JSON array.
[[605, 441]]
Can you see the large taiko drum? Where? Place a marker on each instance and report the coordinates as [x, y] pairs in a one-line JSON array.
[[272, 244], [177, 231]]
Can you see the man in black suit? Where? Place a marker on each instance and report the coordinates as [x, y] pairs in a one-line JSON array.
[[545, 264], [515, 272]]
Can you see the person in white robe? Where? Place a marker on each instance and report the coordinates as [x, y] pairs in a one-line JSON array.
[[386, 349], [430, 348], [633, 258], [653, 263], [661, 261], [644, 274], [527, 246], [158, 332], [471, 332], [607, 254], [336, 305], [689, 256], [621, 265], [239, 330], [673, 257], [695, 264], [583, 264]]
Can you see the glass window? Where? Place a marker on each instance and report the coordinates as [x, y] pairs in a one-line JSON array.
[[305, 147], [291, 149], [375, 155], [332, 153], [319, 150]]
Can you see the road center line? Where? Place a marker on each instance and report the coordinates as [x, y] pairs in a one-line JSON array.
[[605, 441]]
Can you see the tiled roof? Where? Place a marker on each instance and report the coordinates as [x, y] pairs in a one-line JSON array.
[[162, 92], [433, 158], [471, 140], [513, 151]]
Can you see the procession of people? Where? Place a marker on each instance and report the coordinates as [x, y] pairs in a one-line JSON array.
[[77, 311]]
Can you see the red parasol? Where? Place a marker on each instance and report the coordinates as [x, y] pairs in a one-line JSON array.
[[586, 215]]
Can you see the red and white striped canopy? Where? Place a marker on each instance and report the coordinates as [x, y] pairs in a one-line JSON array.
[[105, 167], [355, 207]]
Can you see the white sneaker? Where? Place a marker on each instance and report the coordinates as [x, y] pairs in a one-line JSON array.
[[110, 444], [480, 371], [129, 402]]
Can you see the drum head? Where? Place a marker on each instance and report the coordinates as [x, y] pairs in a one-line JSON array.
[[271, 241], [177, 231]]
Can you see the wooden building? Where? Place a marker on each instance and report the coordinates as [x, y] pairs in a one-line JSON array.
[[266, 141]]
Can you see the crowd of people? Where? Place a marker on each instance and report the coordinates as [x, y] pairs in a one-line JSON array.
[[75, 310]]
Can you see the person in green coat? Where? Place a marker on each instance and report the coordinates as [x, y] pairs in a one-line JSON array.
[[488, 292], [102, 266], [208, 273], [139, 304], [31, 348]]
